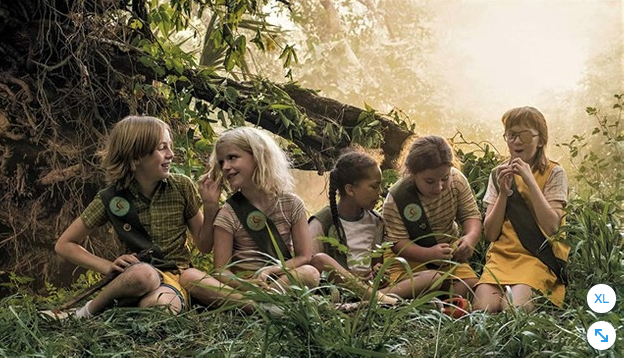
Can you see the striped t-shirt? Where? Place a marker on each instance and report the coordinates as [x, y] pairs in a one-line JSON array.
[[453, 206], [284, 213]]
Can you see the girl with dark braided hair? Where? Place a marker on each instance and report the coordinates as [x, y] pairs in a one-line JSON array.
[[347, 231]]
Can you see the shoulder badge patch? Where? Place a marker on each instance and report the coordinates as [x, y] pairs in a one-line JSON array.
[[413, 212], [119, 206], [256, 220], [332, 232]]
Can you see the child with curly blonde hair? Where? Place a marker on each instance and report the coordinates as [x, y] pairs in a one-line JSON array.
[[261, 232]]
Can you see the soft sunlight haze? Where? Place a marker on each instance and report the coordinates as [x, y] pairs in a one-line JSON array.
[[509, 52]]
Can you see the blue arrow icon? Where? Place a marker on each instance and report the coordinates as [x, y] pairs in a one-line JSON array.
[[601, 335], [603, 339]]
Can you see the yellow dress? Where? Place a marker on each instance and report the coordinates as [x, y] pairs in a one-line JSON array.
[[508, 262]]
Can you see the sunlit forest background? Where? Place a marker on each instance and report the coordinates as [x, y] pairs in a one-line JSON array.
[[459, 65], [448, 67]]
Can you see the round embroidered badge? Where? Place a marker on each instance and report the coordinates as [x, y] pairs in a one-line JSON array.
[[413, 212], [256, 220], [332, 232], [119, 206]]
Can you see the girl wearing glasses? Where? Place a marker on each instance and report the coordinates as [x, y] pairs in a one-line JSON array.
[[526, 197]]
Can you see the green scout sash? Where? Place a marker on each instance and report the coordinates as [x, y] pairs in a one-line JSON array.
[[406, 196], [125, 220], [255, 223], [529, 233], [329, 230]]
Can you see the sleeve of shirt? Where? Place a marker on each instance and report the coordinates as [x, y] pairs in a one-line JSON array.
[[191, 193], [467, 206], [95, 214], [299, 209], [226, 219], [316, 230], [393, 224], [491, 194], [379, 234], [557, 186]]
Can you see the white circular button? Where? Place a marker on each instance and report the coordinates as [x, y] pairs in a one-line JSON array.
[[601, 298], [601, 335]]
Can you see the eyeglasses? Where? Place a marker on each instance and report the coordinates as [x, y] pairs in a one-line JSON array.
[[525, 136]]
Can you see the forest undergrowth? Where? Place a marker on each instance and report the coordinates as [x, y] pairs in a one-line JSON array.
[[310, 326]]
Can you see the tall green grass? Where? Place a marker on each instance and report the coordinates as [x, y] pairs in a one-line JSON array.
[[310, 326]]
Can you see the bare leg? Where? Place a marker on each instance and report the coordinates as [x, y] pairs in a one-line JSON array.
[[338, 274], [522, 296], [135, 282], [306, 275], [162, 296], [211, 291], [461, 287], [419, 284], [488, 297]]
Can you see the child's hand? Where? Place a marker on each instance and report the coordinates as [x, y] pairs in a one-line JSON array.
[[376, 268], [441, 251], [265, 276], [384, 280], [210, 191], [504, 178], [257, 282], [122, 262], [521, 168], [463, 251]]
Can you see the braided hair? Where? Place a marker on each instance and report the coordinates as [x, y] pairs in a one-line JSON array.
[[350, 168]]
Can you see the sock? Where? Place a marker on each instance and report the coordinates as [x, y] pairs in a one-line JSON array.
[[84, 311]]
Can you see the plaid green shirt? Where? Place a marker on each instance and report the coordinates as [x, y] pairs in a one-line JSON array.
[[164, 217]]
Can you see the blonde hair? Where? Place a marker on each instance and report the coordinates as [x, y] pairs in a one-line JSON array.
[[271, 174], [530, 117], [131, 139]]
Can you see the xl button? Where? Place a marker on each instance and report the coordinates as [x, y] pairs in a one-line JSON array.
[[601, 298]]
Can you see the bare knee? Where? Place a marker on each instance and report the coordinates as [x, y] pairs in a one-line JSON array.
[[163, 297], [462, 287], [141, 278], [419, 284], [430, 277], [521, 296], [190, 277], [487, 298], [321, 261], [309, 275], [528, 306]]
